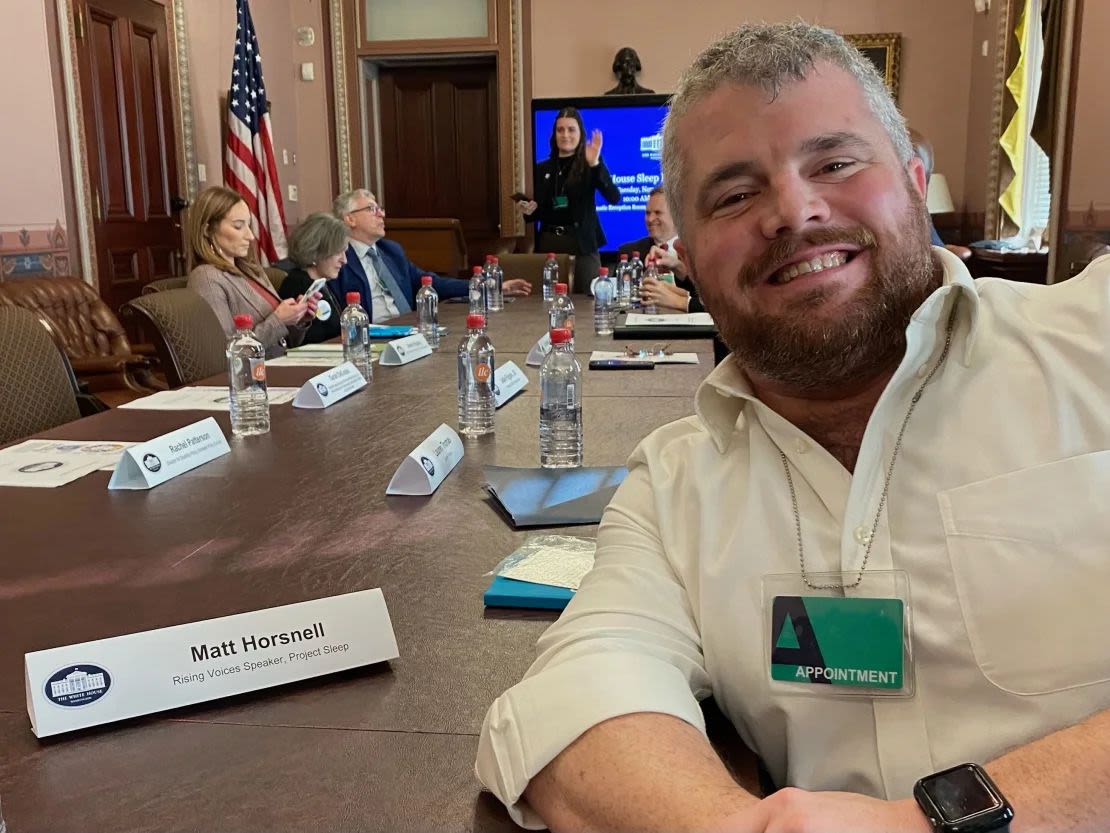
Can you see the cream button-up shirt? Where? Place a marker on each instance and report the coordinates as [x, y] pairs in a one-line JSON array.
[[996, 513]]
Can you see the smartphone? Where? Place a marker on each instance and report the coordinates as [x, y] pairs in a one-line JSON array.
[[619, 364], [314, 287]]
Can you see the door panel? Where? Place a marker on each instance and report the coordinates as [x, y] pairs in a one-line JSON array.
[[124, 66], [439, 146]]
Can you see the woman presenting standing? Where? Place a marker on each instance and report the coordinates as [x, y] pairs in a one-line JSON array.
[[563, 202]]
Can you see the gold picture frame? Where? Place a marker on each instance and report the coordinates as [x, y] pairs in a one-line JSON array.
[[885, 52]]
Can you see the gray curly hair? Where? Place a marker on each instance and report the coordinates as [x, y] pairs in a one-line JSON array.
[[771, 55]]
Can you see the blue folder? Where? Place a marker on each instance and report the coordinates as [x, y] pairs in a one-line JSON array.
[[508, 592], [390, 331]]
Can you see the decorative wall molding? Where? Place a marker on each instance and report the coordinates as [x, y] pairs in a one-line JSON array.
[[183, 100], [79, 162], [516, 26], [339, 95], [998, 103]]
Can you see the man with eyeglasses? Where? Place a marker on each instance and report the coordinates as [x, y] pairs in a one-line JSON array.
[[378, 269]]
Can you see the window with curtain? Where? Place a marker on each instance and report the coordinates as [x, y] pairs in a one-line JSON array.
[[1027, 199]]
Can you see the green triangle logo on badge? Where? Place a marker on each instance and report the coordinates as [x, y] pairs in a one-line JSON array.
[[788, 637]]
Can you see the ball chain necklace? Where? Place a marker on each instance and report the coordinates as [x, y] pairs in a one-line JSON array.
[[886, 484]]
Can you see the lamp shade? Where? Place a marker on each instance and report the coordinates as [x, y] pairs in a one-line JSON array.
[[938, 199]]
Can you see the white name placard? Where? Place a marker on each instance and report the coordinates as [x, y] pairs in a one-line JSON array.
[[508, 381], [83, 685], [539, 351], [428, 464], [405, 350], [149, 464], [329, 387]]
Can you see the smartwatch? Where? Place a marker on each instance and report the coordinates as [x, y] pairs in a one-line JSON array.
[[963, 799]]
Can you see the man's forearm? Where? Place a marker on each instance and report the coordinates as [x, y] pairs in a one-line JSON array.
[[1060, 782], [640, 772]]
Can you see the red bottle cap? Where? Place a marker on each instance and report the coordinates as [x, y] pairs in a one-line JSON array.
[[603, 271], [635, 254], [477, 270], [560, 335], [426, 280], [243, 322], [624, 258], [475, 321], [551, 255], [560, 289], [490, 258], [353, 297]]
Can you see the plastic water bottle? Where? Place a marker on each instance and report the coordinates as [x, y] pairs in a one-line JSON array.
[[623, 287], [246, 373], [494, 279], [479, 296], [550, 277], [562, 311], [605, 312], [650, 271], [476, 367], [561, 404], [427, 312], [636, 277], [354, 326]]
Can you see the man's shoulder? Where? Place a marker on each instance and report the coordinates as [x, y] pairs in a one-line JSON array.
[[1086, 297], [643, 246], [673, 446], [392, 247]]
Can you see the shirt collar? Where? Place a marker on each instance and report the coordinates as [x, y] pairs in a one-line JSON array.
[[362, 248], [721, 399]]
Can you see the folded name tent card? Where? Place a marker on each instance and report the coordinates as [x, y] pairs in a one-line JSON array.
[[428, 464], [539, 350], [329, 387], [508, 381], [554, 497], [77, 686], [405, 350], [145, 465]]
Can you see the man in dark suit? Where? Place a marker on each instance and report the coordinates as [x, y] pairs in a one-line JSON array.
[[378, 269], [660, 227]]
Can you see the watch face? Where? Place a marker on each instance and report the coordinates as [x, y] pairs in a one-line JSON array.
[[960, 794]]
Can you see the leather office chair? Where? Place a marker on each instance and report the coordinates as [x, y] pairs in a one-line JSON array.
[[94, 340], [187, 335], [275, 275], [36, 393], [530, 267], [162, 284], [433, 243]]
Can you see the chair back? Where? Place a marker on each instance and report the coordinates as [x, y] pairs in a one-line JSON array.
[[435, 243], [36, 386], [276, 276], [162, 284], [530, 267], [187, 335]]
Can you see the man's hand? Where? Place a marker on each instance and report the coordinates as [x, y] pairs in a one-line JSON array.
[[516, 286], [526, 206], [799, 811], [664, 295], [593, 149], [666, 260]]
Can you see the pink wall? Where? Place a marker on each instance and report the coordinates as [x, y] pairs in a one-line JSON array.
[[298, 108], [1090, 161], [30, 151], [569, 58]]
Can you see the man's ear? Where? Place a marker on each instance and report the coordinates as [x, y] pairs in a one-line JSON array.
[[916, 170], [684, 256]]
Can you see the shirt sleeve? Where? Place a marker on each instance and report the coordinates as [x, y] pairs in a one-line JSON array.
[[626, 643]]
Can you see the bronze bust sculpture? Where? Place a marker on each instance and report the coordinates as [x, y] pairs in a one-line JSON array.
[[626, 63]]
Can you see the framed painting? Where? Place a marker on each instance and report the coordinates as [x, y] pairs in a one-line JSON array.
[[885, 52]]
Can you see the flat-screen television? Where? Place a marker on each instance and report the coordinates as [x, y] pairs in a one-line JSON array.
[[632, 130]]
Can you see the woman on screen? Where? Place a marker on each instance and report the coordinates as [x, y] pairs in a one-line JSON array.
[[563, 196], [228, 277]]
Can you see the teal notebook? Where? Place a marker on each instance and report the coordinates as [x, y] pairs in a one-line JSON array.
[[390, 331], [508, 592]]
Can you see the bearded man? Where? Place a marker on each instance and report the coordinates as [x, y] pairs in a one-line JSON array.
[[880, 544]]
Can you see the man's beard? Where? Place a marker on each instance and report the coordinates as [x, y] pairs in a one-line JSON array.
[[866, 337]]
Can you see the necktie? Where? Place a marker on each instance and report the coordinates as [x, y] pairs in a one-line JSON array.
[[389, 282]]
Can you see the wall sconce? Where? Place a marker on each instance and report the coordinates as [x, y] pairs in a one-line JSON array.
[[938, 200]]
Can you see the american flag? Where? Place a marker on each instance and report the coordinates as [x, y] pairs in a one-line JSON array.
[[249, 164]]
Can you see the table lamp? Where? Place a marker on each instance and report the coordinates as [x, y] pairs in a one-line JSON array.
[[938, 199]]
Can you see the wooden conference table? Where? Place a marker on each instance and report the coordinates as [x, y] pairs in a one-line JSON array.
[[298, 514]]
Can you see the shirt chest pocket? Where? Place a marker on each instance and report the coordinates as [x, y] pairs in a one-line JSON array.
[[1030, 555]]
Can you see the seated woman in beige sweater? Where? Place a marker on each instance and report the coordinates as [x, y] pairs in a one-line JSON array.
[[232, 282]]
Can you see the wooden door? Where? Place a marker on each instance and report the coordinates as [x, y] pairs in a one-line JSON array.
[[439, 147], [124, 64]]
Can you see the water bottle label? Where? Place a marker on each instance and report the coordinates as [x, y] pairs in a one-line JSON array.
[[482, 372], [571, 398], [258, 371]]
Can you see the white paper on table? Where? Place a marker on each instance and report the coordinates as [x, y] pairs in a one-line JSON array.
[[330, 349], [104, 454], [307, 360], [202, 398], [556, 567], [688, 319], [670, 358], [42, 469]]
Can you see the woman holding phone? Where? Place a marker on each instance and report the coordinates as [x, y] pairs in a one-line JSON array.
[[231, 281], [319, 249], [563, 196]]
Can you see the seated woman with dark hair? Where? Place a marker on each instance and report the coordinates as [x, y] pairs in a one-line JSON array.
[[318, 248]]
